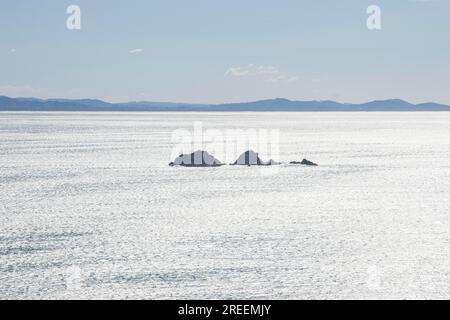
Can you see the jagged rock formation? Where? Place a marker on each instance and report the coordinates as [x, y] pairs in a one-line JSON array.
[[251, 158], [304, 162], [196, 159], [202, 158]]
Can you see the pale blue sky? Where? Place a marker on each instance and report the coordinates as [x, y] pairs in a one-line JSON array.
[[293, 49]]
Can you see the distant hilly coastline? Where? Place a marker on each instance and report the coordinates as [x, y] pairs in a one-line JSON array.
[[279, 105]]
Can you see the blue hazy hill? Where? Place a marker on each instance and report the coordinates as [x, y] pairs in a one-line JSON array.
[[281, 105]]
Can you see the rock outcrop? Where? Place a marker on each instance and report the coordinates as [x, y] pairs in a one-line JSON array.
[[202, 158], [251, 158], [304, 162], [196, 159]]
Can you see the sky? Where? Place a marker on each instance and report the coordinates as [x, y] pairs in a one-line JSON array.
[[212, 51]]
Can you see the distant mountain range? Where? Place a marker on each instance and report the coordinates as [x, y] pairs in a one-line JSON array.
[[34, 104]]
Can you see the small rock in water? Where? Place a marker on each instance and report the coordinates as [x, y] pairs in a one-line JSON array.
[[304, 162]]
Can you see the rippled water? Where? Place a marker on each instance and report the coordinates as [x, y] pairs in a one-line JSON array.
[[89, 208]]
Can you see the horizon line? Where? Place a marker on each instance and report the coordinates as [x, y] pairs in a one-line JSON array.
[[223, 103]]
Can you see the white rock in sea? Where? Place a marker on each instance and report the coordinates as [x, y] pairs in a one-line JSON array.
[[196, 159]]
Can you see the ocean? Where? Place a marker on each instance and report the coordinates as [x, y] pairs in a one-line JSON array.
[[90, 209]]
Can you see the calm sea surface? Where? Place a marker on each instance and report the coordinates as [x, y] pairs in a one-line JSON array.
[[89, 208]]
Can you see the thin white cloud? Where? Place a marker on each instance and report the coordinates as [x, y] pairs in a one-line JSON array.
[[266, 73], [12, 50], [136, 51], [237, 72]]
